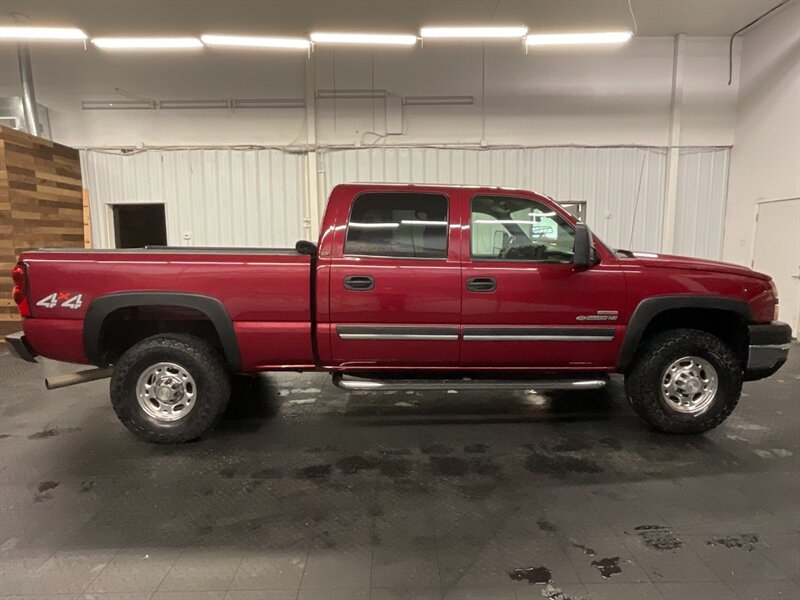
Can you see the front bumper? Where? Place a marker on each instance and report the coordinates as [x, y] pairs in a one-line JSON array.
[[769, 348], [19, 347]]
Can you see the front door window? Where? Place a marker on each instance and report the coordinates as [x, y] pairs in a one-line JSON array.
[[509, 228]]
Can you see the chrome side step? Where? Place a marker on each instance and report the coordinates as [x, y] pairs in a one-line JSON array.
[[359, 384]]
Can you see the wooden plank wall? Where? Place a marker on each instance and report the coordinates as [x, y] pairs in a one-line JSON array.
[[41, 204]]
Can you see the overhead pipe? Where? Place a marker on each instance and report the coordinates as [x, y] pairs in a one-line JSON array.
[[29, 105]]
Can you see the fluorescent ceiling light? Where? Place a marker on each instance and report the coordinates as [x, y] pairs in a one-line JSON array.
[[147, 43], [473, 32], [364, 38], [45, 34], [243, 41], [560, 39]]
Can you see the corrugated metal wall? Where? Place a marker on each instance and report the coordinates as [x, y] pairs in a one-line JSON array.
[[702, 194], [623, 186], [219, 197], [256, 197]]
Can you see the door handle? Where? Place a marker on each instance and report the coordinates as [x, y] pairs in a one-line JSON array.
[[481, 284], [359, 283]]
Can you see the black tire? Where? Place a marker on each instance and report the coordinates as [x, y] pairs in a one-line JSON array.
[[199, 359], [643, 381]]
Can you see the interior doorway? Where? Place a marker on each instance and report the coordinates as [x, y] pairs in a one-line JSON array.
[[138, 225], [776, 251]]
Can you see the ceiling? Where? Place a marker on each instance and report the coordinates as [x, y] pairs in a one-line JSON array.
[[298, 17]]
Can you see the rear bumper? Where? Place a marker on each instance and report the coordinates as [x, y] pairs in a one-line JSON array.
[[769, 348], [19, 347]]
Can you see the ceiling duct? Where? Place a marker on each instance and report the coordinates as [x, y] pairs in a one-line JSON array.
[[210, 104], [269, 103], [351, 94], [118, 104], [12, 114], [176, 104], [438, 100]]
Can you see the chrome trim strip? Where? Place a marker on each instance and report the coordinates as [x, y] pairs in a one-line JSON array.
[[534, 333], [396, 336], [538, 338], [775, 346], [398, 332]]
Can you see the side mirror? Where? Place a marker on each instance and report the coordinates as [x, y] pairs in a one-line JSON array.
[[583, 251], [305, 247]]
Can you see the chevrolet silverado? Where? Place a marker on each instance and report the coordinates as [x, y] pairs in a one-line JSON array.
[[409, 287]]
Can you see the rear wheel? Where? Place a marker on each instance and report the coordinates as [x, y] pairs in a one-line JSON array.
[[684, 381], [170, 388]]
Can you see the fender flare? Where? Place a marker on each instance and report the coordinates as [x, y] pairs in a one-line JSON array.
[[100, 308], [650, 308]]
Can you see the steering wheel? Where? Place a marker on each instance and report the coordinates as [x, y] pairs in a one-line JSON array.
[[519, 247]]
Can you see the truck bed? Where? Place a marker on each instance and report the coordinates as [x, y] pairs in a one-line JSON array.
[[266, 292]]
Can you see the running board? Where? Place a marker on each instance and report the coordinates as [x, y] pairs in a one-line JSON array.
[[358, 384]]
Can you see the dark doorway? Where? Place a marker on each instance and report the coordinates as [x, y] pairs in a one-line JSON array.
[[137, 225]]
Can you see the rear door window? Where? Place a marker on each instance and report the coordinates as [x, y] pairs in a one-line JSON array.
[[391, 224]]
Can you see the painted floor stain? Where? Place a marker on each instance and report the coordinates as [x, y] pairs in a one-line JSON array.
[[449, 466], [739, 541], [314, 472], [560, 464], [583, 548], [48, 485], [52, 432], [554, 593], [532, 575], [607, 566], [266, 473], [44, 491], [436, 449], [476, 448], [546, 525], [658, 537]]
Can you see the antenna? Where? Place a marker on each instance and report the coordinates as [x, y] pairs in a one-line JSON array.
[[636, 200]]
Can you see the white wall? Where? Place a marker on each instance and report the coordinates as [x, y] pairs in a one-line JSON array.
[[765, 160], [257, 197], [566, 96], [614, 98], [248, 198]]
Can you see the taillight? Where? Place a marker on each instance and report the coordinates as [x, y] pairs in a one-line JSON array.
[[20, 277], [776, 312]]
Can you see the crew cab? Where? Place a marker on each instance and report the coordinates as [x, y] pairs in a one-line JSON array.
[[408, 287]]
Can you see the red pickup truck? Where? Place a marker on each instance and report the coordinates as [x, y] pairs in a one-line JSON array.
[[409, 287]]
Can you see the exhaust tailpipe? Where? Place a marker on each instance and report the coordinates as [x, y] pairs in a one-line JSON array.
[[60, 381]]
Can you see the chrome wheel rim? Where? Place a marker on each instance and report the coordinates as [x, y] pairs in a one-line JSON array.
[[166, 391], [689, 385]]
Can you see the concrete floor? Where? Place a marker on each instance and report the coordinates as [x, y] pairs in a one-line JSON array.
[[311, 493]]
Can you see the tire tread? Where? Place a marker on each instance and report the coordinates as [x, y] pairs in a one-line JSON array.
[[644, 396], [206, 413]]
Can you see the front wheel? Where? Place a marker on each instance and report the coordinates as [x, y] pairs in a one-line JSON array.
[[170, 388], [684, 381]]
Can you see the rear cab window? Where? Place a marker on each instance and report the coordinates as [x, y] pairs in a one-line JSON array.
[[398, 224]]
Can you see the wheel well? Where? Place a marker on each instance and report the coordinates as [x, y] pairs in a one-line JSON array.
[[128, 326], [723, 324]]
